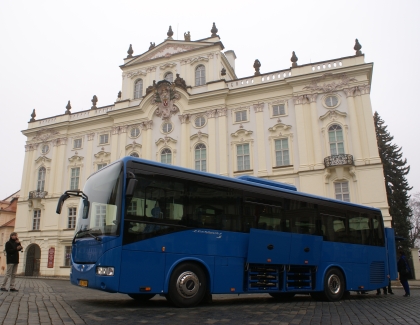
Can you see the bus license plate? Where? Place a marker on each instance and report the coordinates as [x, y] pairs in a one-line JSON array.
[[83, 283]]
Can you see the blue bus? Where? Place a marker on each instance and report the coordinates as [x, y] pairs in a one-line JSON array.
[[146, 228]]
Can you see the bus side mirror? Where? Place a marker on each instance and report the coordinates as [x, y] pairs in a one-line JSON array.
[[132, 184], [86, 206], [60, 202]]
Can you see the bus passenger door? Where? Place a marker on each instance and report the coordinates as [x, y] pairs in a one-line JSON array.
[[268, 247]]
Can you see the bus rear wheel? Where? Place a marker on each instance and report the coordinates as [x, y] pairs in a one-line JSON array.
[[334, 285], [141, 297], [282, 296], [187, 286]]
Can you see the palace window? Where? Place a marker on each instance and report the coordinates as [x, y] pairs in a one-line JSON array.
[[169, 77], [279, 110], [166, 127], [200, 157], [100, 166], [200, 75], [282, 152], [104, 138], [67, 255], [342, 192], [166, 156], [240, 116], [135, 132], [72, 218], [77, 143], [37, 220], [243, 157], [335, 136], [199, 121], [138, 89], [74, 178], [45, 149], [331, 101], [41, 179]]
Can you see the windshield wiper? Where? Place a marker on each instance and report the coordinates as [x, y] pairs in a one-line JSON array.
[[88, 231]]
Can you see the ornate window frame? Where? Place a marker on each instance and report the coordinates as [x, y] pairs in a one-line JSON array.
[[277, 132], [172, 155], [327, 138], [197, 117], [242, 136], [75, 162], [278, 102], [239, 109], [341, 181], [131, 130], [164, 123], [102, 157], [133, 147], [136, 94], [45, 162], [324, 98], [99, 138], [196, 66], [81, 143]]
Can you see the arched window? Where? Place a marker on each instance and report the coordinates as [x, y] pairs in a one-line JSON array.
[[138, 89], [166, 156], [335, 136], [169, 77], [134, 154], [41, 179], [200, 75], [200, 157]]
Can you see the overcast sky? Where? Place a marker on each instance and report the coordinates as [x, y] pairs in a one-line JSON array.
[[55, 51]]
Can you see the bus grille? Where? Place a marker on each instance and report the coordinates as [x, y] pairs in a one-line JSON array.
[[377, 272]]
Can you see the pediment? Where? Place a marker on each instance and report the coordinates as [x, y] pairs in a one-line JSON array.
[[76, 158], [42, 159], [165, 140], [333, 115], [279, 126], [166, 50], [102, 154], [241, 131]]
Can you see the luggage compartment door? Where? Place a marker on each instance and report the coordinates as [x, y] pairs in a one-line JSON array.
[[268, 247], [305, 249]]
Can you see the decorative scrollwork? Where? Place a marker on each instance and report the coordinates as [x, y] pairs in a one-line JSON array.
[[338, 160]]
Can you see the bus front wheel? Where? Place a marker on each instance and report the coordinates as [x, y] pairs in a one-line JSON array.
[[334, 285], [187, 286]]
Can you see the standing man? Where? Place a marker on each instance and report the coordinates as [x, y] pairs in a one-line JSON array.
[[13, 248]]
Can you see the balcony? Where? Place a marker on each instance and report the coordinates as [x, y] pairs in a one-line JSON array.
[[338, 160], [37, 194]]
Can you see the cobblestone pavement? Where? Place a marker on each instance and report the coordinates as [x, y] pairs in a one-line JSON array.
[[44, 301]]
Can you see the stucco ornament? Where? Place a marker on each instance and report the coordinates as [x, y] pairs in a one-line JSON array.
[[327, 88], [45, 135], [164, 97]]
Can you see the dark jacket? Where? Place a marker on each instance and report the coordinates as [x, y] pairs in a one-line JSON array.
[[402, 265], [12, 252]]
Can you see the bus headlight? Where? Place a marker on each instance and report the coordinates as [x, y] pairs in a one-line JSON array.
[[100, 270]]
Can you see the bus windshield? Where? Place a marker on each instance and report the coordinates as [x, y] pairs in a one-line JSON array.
[[103, 213]]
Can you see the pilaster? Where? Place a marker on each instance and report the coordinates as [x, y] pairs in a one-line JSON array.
[[316, 134], [223, 145], [212, 140], [185, 142], [301, 133], [354, 127], [260, 152]]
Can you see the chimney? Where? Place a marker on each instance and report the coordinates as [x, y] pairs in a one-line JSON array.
[[230, 56]]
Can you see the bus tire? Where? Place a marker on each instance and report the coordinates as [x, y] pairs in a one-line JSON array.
[[187, 286], [141, 297], [334, 285], [282, 296]]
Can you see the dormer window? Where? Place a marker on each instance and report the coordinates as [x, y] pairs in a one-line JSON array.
[[200, 75], [138, 89], [169, 77]]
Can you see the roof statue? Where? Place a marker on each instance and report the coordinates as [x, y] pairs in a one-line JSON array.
[[68, 108], [214, 30], [257, 66], [357, 48], [294, 59], [152, 45], [130, 52], [187, 36], [223, 71], [180, 82], [94, 101], [170, 33], [33, 115]]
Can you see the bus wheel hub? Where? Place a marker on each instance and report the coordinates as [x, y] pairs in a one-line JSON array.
[[334, 283], [187, 284]]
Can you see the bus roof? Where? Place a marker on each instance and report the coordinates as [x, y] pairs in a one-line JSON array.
[[248, 180]]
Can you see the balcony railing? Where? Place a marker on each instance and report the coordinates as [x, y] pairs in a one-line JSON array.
[[37, 194], [338, 160]]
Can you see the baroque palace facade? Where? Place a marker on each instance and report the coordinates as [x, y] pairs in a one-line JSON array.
[[181, 103]]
